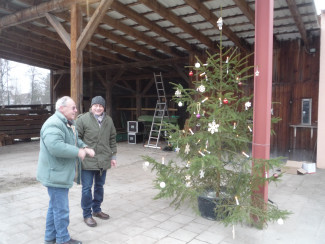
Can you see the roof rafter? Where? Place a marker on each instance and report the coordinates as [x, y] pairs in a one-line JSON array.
[[39, 11], [169, 15], [299, 22], [212, 18]]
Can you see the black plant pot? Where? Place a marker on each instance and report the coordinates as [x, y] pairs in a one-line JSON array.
[[209, 206]]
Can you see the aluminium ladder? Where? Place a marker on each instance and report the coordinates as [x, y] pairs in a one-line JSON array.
[[161, 111]]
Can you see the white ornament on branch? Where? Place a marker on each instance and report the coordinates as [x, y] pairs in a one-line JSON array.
[[187, 148], [145, 165], [213, 127], [178, 93], [248, 105], [201, 88]]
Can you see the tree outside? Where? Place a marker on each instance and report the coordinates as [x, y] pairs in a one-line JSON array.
[[23, 84]]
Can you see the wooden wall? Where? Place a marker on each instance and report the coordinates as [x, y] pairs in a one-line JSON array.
[[295, 76]]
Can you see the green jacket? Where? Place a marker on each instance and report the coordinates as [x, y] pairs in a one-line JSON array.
[[100, 138], [58, 156]]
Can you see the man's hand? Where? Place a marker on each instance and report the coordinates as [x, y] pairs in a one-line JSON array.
[[82, 153], [90, 152], [113, 163]]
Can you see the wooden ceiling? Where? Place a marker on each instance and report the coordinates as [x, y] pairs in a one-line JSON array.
[[142, 36]]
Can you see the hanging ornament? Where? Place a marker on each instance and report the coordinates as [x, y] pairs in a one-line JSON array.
[[248, 105], [201, 88], [227, 60], [250, 129], [198, 107], [202, 74], [187, 177], [220, 102], [162, 160], [239, 83], [145, 165], [207, 151], [201, 173], [198, 125], [235, 125], [177, 148], [275, 175], [188, 164], [187, 148], [219, 23], [178, 93], [257, 73], [188, 184], [280, 221], [191, 131], [180, 104], [225, 101], [190, 73], [213, 127], [207, 144], [162, 184], [197, 65]]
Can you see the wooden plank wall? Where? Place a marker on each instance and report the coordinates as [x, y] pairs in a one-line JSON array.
[[23, 122], [295, 76]]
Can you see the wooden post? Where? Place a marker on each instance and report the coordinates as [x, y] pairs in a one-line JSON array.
[[321, 99], [262, 89], [76, 57], [138, 98]]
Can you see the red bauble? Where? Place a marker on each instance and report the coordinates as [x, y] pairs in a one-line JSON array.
[[239, 83], [275, 175], [191, 73], [225, 101]]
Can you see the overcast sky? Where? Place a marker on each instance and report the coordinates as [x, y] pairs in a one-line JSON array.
[[19, 72], [320, 5]]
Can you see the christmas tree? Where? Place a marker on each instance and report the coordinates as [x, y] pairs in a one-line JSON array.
[[212, 150]]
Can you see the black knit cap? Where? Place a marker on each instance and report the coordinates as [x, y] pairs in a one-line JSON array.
[[98, 100]]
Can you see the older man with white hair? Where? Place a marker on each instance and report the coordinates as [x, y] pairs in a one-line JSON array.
[[60, 151]]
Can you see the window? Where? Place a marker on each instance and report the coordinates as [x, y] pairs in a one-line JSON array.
[[306, 111]]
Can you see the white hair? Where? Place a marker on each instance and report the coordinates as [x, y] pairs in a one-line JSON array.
[[61, 102]]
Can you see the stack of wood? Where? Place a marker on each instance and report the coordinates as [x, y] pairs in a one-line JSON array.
[[21, 122]]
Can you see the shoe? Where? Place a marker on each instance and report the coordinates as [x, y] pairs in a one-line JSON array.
[[90, 222], [71, 241], [101, 215], [50, 242]]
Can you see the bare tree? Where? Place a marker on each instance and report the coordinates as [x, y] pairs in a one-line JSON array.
[[36, 86], [5, 88]]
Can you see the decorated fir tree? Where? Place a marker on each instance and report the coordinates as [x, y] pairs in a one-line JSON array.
[[212, 150]]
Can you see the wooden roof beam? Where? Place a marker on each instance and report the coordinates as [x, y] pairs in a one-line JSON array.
[[212, 18], [39, 11], [298, 20], [150, 25], [246, 9], [177, 21], [170, 61], [115, 23], [95, 19]]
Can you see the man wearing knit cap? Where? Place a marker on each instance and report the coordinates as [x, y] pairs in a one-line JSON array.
[[97, 130]]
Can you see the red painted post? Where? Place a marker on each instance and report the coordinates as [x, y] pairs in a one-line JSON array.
[[262, 85]]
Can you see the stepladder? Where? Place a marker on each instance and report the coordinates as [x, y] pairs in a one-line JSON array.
[[160, 113]]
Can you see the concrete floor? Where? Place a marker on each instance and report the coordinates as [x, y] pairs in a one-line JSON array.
[[138, 219]]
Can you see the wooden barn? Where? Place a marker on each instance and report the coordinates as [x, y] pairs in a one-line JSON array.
[[115, 48]]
